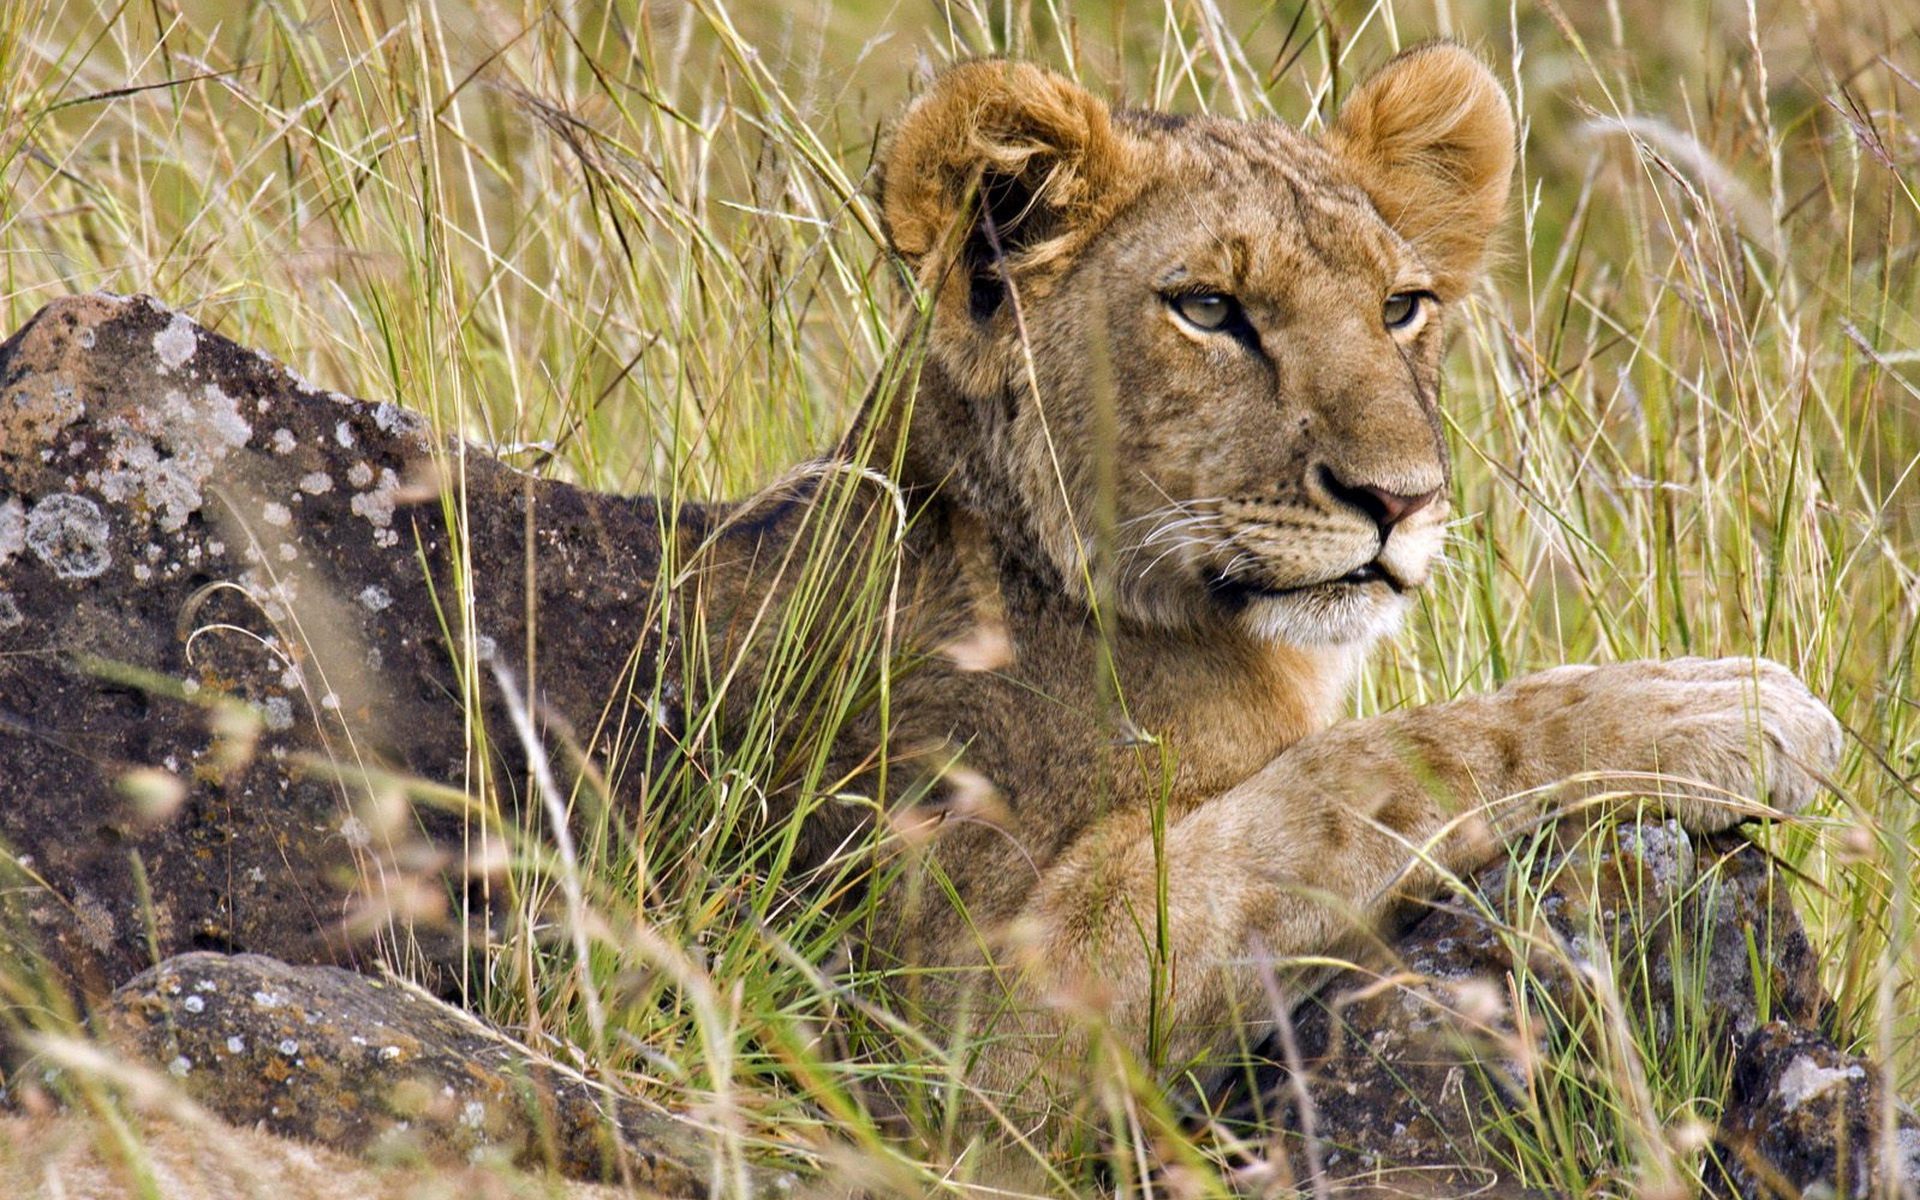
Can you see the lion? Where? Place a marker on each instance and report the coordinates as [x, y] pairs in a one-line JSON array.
[[1174, 444]]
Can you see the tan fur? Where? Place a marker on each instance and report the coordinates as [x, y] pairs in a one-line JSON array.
[[1206, 493]]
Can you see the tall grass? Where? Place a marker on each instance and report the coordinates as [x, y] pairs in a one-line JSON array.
[[628, 245]]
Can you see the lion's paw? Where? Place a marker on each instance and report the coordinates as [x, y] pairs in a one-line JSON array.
[[1711, 739]]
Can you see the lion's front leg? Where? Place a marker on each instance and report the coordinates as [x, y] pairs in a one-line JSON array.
[[1181, 931]]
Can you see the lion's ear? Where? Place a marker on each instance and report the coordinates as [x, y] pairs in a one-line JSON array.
[[998, 159], [1430, 136]]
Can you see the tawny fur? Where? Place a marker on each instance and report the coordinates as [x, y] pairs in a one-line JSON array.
[[1207, 493]]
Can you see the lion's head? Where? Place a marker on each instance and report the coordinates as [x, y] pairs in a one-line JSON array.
[[1197, 359]]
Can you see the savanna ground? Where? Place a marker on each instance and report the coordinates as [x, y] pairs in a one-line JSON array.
[[629, 245]]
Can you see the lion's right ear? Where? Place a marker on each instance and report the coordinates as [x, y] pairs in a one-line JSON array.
[[998, 160]]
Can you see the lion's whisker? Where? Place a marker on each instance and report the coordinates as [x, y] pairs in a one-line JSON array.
[[1179, 528], [1183, 544]]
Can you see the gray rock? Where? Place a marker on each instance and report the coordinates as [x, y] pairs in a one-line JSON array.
[[218, 652], [1806, 1118], [381, 1069], [216, 634], [1397, 1071]]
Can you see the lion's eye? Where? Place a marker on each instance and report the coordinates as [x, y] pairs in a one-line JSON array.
[[1401, 309], [1206, 310]]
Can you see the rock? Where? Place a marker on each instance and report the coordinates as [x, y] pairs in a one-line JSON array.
[[220, 659], [384, 1070], [219, 650], [1806, 1118], [71, 1156], [1399, 1070]]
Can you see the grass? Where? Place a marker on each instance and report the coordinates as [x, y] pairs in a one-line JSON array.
[[629, 246]]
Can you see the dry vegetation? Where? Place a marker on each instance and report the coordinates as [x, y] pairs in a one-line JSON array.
[[628, 245]]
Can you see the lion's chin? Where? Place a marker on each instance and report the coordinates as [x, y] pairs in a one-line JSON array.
[[1327, 614]]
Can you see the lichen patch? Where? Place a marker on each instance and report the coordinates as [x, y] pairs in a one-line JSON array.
[[163, 456], [13, 529], [377, 506], [221, 414], [391, 418], [1804, 1079], [68, 533], [175, 344], [277, 713]]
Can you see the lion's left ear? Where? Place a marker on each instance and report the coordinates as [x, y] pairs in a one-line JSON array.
[[1430, 137]]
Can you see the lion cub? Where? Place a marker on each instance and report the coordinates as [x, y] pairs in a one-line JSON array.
[[1174, 438]]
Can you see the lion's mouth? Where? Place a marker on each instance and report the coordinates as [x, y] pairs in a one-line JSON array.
[[1367, 574], [1236, 590]]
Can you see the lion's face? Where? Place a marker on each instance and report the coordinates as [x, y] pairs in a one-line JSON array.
[[1264, 349], [1204, 353]]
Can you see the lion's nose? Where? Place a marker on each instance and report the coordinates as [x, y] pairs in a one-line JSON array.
[[1385, 507]]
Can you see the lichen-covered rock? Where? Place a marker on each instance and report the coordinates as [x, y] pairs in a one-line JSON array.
[[1806, 1118], [1399, 1070], [75, 1156], [226, 608], [382, 1069]]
